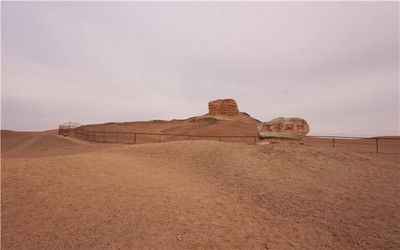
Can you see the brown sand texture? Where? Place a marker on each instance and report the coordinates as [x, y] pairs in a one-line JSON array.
[[65, 193], [204, 125], [239, 128]]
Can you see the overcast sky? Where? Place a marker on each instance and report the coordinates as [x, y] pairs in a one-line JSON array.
[[334, 64]]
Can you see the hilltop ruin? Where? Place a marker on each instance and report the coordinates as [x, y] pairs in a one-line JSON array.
[[223, 107]]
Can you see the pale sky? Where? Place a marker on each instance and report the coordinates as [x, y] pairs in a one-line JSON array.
[[334, 64]]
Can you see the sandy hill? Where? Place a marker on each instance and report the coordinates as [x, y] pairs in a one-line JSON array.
[[200, 125], [36, 144], [60, 192], [223, 118]]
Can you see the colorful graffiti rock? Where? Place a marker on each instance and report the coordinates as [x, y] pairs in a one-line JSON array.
[[281, 127]]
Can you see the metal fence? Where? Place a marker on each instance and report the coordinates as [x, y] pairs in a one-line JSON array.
[[137, 138], [357, 144], [66, 128]]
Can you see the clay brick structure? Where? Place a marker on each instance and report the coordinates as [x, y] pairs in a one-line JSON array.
[[223, 107]]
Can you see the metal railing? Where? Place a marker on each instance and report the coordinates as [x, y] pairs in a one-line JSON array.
[[357, 144], [135, 138], [66, 128]]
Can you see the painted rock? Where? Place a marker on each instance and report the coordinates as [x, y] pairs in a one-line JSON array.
[[281, 127]]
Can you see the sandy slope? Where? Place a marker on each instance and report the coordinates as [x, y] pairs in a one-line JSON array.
[[59, 192], [47, 143], [242, 124]]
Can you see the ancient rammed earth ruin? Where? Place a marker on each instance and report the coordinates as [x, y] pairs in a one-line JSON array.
[[223, 107], [283, 128]]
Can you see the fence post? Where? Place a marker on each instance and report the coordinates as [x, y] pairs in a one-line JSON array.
[[134, 139], [333, 141], [377, 147], [255, 139]]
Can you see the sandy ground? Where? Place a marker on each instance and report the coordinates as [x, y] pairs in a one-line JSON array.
[[59, 192], [242, 124], [199, 127]]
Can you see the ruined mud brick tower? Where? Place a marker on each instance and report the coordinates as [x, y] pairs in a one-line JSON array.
[[223, 107]]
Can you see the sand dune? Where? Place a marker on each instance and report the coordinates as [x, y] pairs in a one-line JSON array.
[[60, 192], [242, 124], [37, 144]]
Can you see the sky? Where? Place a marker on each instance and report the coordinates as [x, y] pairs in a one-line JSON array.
[[335, 64]]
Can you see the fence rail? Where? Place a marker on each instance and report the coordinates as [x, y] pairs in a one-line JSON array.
[[136, 138], [65, 128], [357, 144]]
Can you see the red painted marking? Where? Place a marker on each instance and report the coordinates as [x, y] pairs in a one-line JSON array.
[[289, 127], [267, 127], [300, 127], [278, 127]]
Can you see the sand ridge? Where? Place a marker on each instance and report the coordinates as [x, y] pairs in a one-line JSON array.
[[41, 144], [241, 124]]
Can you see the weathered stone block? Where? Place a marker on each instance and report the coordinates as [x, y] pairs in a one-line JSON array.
[[289, 128]]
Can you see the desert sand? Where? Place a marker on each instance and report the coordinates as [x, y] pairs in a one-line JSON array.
[[204, 125], [62, 192]]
